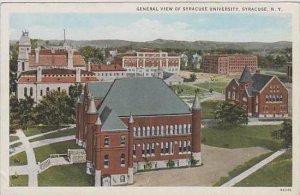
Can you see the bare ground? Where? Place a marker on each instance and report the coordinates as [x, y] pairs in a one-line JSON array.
[[217, 163], [202, 77]]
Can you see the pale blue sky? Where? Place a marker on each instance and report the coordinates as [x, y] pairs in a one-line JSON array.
[[146, 27]]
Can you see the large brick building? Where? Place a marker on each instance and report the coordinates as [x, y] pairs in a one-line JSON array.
[[260, 95], [36, 83], [146, 61], [31, 59], [227, 64], [134, 124]]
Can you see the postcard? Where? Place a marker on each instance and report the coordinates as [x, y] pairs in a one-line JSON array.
[[196, 97]]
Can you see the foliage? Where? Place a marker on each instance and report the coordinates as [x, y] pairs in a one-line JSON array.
[[91, 54], [75, 91], [13, 67], [193, 77], [19, 180], [170, 163], [193, 162], [285, 133], [208, 108], [55, 108], [38, 129], [230, 114], [18, 159], [148, 165]]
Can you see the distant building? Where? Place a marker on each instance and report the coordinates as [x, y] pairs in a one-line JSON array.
[[135, 124], [146, 61], [260, 95], [169, 78], [184, 60], [30, 59], [227, 64], [36, 83], [196, 61], [108, 72]]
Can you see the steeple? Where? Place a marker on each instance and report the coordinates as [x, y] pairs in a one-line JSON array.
[[196, 103], [246, 76], [92, 107], [131, 118], [98, 122]]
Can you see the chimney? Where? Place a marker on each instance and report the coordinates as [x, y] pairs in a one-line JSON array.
[[39, 74], [78, 73], [37, 55]]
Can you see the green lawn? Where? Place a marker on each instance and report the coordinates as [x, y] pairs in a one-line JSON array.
[[208, 107], [38, 129], [16, 144], [277, 173], [18, 159], [13, 138], [62, 133], [185, 90], [241, 137], [43, 152], [241, 168], [218, 86], [20, 180], [66, 175]]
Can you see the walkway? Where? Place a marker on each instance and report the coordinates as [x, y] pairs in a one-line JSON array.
[[32, 167], [248, 172]]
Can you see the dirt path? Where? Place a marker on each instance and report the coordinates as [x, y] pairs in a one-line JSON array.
[[217, 163]]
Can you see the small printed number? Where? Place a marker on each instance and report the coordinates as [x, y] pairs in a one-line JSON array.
[[285, 189]]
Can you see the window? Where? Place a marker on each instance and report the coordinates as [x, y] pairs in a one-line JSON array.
[[106, 141], [123, 140], [106, 161], [25, 91], [122, 178], [134, 150], [122, 159], [41, 92], [152, 149], [161, 148], [148, 149], [184, 146], [23, 66], [31, 91], [180, 147], [167, 148]]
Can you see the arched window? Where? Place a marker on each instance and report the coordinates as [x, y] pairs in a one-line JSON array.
[[267, 98], [122, 160], [25, 91], [171, 130], [31, 91], [106, 160], [148, 131], [144, 131], [158, 130]]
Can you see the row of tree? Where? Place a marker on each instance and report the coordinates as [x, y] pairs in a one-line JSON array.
[[55, 108]]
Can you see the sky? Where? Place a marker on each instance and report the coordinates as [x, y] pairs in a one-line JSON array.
[[231, 27]]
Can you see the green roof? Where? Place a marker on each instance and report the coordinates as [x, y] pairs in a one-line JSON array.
[[246, 76], [143, 97], [110, 121], [98, 89]]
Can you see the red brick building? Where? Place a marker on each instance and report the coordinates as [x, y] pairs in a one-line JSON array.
[[227, 64], [147, 61], [260, 95], [108, 72], [134, 124]]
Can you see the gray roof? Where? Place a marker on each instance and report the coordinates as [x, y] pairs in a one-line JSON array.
[[246, 76], [250, 91], [167, 75], [110, 121], [260, 80], [145, 96], [98, 89], [196, 103]]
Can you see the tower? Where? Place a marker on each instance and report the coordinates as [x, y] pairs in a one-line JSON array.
[[196, 130], [91, 120], [130, 149], [97, 155], [24, 50]]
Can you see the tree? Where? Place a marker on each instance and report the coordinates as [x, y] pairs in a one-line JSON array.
[[285, 133], [193, 77], [230, 114], [91, 54], [13, 67], [26, 112], [14, 120], [55, 108], [75, 90]]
